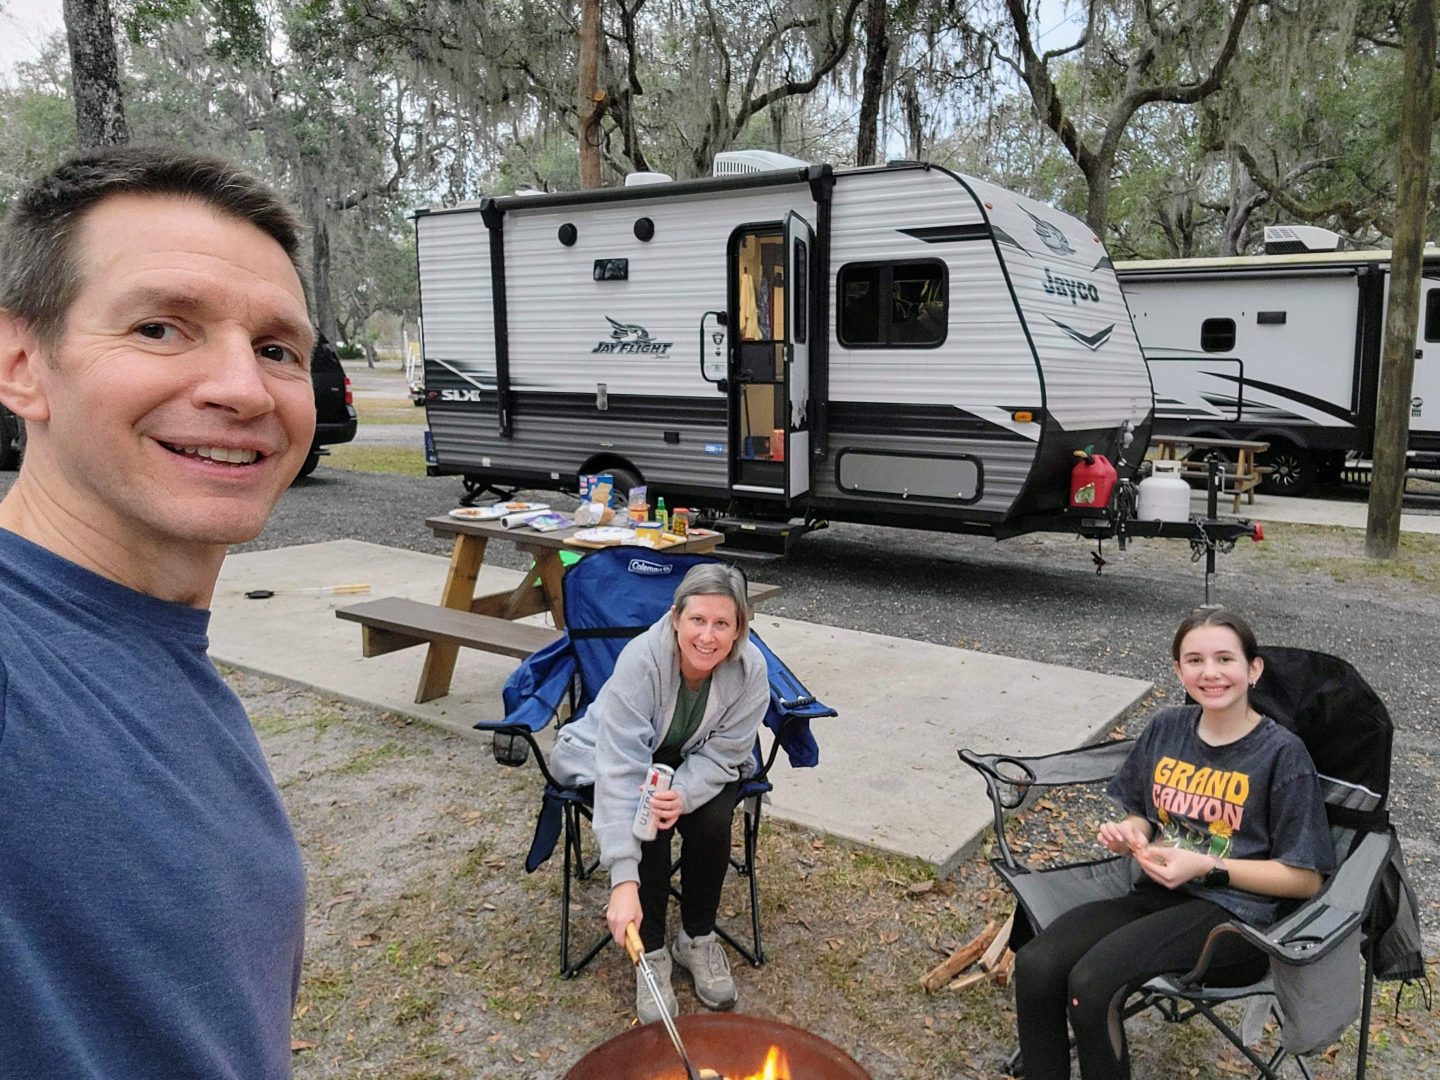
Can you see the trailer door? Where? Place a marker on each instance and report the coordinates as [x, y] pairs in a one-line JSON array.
[[1425, 389], [769, 385]]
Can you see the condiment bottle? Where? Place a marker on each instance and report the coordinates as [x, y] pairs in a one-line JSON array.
[[680, 521], [661, 514]]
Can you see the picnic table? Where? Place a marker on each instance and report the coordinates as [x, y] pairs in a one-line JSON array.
[[1242, 472], [488, 623]]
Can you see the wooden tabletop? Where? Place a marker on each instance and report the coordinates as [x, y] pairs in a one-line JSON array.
[[445, 525]]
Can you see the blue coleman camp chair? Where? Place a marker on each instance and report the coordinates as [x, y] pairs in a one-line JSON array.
[[1363, 917], [610, 597]]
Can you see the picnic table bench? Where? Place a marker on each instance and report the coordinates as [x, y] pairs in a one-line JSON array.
[[1242, 475], [487, 623]]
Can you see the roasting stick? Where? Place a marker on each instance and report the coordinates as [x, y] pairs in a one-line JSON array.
[[637, 954]]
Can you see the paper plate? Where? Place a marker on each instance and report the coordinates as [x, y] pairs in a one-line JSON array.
[[495, 510], [604, 534]]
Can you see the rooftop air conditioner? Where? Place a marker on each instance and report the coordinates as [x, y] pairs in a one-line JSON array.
[[739, 162], [640, 179], [1299, 239]]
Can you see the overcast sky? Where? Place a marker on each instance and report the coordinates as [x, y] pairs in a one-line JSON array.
[[24, 25]]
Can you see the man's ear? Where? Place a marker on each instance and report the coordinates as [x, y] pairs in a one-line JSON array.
[[22, 390]]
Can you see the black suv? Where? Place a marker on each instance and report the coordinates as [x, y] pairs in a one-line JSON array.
[[334, 404], [334, 412]]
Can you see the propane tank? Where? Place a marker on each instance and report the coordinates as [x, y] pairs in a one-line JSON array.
[[1164, 495], [1092, 480]]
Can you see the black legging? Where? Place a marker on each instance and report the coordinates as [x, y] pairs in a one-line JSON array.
[[704, 857], [1089, 960]]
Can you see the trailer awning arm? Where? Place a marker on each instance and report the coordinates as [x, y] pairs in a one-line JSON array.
[[493, 214]]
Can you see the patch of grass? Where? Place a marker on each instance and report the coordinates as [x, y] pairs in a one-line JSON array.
[[370, 759], [414, 1008], [270, 724], [396, 460]]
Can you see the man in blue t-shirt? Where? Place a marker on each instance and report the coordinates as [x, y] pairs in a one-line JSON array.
[[154, 339]]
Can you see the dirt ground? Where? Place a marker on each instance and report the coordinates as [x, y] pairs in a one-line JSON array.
[[431, 953]]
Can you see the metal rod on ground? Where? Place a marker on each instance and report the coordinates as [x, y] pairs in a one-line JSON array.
[[1212, 511]]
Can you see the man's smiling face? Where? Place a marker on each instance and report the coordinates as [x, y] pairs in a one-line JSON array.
[[178, 404]]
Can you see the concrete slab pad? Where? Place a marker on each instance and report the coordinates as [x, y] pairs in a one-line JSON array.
[[1287, 508], [889, 774]]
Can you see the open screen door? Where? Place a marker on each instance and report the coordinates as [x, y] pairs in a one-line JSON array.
[[799, 243]]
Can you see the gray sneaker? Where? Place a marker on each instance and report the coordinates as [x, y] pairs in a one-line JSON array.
[[646, 1007], [704, 958]]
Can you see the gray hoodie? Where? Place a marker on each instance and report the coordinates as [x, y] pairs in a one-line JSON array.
[[612, 745]]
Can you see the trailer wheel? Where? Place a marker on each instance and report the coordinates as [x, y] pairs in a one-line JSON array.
[[1293, 471], [625, 479]]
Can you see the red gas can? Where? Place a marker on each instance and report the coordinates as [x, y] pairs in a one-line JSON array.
[[1092, 480]]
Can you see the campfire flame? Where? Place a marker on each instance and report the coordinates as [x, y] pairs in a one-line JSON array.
[[776, 1067]]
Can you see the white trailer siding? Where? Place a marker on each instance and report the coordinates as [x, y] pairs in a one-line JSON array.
[[1064, 283], [1312, 352], [985, 367], [459, 327]]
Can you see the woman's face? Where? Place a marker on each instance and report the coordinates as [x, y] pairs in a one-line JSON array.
[[706, 629], [1213, 669]]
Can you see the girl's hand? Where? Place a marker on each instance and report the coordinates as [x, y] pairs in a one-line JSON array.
[[1124, 837], [1173, 867], [667, 806], [624, 908]]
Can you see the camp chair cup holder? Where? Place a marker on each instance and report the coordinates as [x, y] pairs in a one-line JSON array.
[[510, 748]]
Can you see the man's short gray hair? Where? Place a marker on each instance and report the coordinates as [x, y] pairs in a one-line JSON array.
[[39, 272], [717, 579]]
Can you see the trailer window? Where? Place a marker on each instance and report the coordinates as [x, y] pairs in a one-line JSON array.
[[895, 305], [1432, 315], [1217, 335], [801, 284]]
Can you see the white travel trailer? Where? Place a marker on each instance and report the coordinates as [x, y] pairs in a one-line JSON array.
[[1283, 348], [898, 344]]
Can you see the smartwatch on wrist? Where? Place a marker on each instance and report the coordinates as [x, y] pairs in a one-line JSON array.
[[1217, 876]]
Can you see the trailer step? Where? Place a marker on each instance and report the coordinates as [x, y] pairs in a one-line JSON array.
[[758, 538]]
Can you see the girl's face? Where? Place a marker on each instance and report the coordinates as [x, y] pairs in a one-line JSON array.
[[1213, 669], [706, 630]]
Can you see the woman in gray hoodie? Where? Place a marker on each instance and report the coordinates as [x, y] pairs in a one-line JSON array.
[[690, 693]]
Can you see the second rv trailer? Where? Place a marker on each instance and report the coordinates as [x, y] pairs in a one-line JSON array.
[[901, 345], [1283, 348]]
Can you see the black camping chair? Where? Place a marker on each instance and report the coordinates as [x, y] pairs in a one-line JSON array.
[[612, 596], [1315, 987]]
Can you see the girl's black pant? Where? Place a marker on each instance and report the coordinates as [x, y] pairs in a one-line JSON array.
[[704, 858], [1084, 965]]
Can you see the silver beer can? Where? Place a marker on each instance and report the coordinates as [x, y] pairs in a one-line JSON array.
[[657, 778]]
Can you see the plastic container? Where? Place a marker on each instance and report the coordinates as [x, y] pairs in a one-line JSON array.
[[1164, 495], [777, 444], [680, 521], [661, 514], [1091, 481]]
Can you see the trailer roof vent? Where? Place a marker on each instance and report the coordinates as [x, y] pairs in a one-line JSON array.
[[1299, 239], [640, 179], [740, 162]]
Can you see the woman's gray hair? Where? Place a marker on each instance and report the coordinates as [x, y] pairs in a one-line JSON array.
[[717, 579]]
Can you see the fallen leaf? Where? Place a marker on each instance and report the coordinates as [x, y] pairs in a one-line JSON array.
[[444, 959], [920, 888], [299, 1045], [362, 942]]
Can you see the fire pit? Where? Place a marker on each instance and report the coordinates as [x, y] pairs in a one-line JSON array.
[[735, 1046]]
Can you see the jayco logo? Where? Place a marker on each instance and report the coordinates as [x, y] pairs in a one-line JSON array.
[[630, 338], [1050, 235], [1056, 285], [650, 569]]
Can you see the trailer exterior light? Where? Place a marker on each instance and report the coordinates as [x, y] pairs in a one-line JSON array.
[[1022, 416]]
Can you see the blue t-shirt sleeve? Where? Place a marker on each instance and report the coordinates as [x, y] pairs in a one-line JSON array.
[[1299, 831]]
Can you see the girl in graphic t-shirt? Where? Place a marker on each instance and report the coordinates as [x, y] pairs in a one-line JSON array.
[[1223, 814]]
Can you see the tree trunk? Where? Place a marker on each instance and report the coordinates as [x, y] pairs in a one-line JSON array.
[[877, 51], [318, 214], [95, 74], [1412, 178], [589, 98]]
